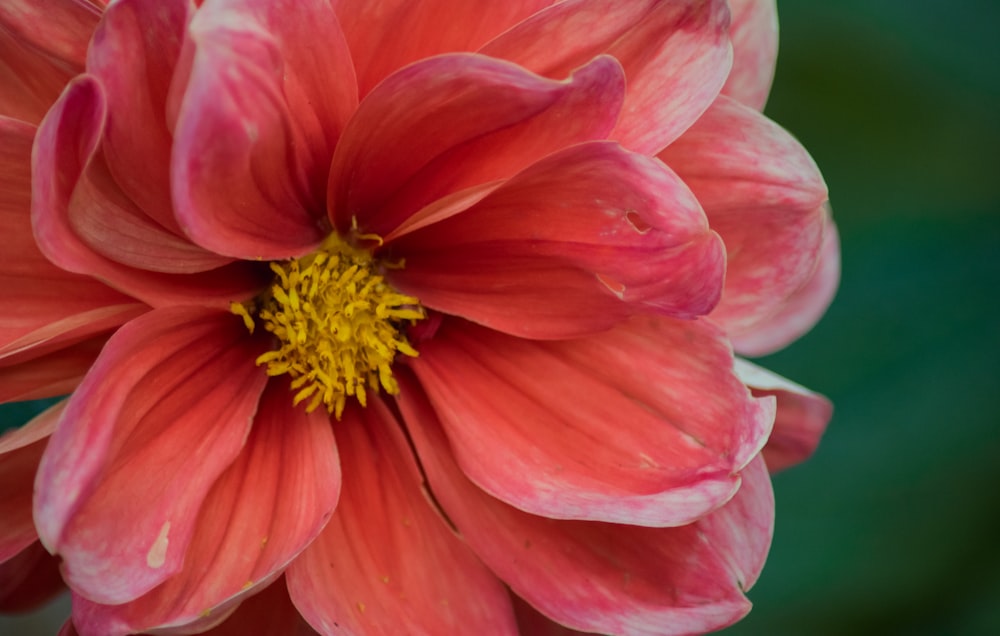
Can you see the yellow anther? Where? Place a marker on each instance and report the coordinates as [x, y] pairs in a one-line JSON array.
[[338, 325]]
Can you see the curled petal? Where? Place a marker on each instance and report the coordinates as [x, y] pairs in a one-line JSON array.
[[676, 56], [800, 421], [260, 514], [616, 427], [448, 123], [20, 451], [754, 33], [608, 578], [378, 564], [803, 309], [66, 149], [764, 195], [373, 30], [162, 413], [570, 246], [269, 92]]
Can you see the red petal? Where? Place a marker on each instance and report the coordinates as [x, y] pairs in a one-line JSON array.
[[269, 613], [387, 559], [50, 375], [389, 34], [570, 246], [65, 149], [451, 122], [800, 421], [607, 578], [645, 424], [260, 514], [754, 33], [803, 308], [676, 57], [29, 579], [162, 413], [20, 451], [269, 93], [531, 622], [763, 194]]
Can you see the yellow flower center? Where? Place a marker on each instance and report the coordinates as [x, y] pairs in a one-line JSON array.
[[338, 325]]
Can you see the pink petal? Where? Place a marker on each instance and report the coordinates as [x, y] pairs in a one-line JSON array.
[[645, 424], [162, 413], [763, 194], [20, 451], [386, 35], [801, 419], [571, 246], [803, 308], [455, 121], [260, 514], [676, 57], [65, 150], [59, 30], [606, 578], [29, 579], [269, 92], [387, 559], [49, 375], [754, 33]]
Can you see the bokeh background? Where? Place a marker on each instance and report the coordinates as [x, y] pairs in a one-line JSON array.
[[894, 526]]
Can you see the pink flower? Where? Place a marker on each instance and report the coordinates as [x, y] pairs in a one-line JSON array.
[[408, 313]]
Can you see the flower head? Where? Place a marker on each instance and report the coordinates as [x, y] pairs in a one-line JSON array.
[[408, 313]]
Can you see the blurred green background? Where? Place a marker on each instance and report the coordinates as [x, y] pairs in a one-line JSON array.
[[892, 528]]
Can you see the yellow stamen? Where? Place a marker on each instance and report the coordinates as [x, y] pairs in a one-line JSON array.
[[338, 325]]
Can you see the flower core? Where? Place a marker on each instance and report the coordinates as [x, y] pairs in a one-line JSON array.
[[338, 324]]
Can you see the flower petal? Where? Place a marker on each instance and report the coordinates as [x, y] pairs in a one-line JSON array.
[[270, 90], [803, 308], [764, 195], [260, 514], [801, 419], [20, 451], [754, 33], [50, 375], [455, 121], [59, 30], [615, 427], [676, 56], [571, 246], [66, 146], [378, 565], [531, 622], [269, 613], [29, 579], [607, 578], [386, 35], [164, 410]]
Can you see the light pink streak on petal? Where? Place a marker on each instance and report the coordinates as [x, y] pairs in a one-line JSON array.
[[754, 33], [571, 246], [385, 35], [270, 90], [20, 451], [607, 578], [644, 424], [387, 558], [134, 55], [49, 375], [455, 121], [676, 57], [260, 514], [764, 195], [803, 309], [29, 579], [58, 30], [46, 307], [65, 146], [801, 419], [582, 108], [162, 413]]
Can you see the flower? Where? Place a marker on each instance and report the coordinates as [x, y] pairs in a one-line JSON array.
[[381, 321]]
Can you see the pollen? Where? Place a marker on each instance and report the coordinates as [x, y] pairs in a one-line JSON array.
[[338, 325]]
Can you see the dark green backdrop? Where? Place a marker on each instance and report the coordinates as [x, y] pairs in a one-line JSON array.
[[892, 527]]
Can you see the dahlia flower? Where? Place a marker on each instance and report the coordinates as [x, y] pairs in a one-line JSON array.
[[399, 316]]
